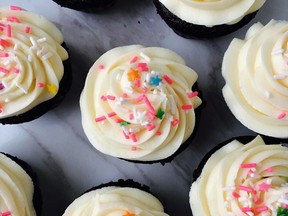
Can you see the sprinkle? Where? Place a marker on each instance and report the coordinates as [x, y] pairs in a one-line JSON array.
[[40, 85], [267, 94], [248, 165], [101, 118], [15, 70], [4, 55], [283, 201], [13, 19], [47, 55], [3, 70], [124, 123], [235, 194], [155, 80], [133, 137], [257, 200], [9, 31], [282, 211], [101, 67], [132, 75], [30, 58], [27, 29], [148, 104], [137, 83], [12, 7], [144, 90], [125, 135], [4, 43], [160, 113], [143, 67], [247, 189], [281, 115], [228, 188], [125, 95], [187, 107], [145, 57], [133, 148], [16, 46], [1, 86], [1, 108], [134, 129], [246, 209], [52, 88], [127, 213], [7, 213], [175, 122], [111, 114], [158, 133], [279, 76], [151, 116], [261, 209], [192, 94], [131, 116], [264, 187], [111, 97], [103, 98], [242, 199], [168, 79], [270, 169], [22, 88], [134, 59], [150, 127], [41, 40]]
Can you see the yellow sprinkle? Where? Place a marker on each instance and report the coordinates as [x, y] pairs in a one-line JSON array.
[[52, 88]]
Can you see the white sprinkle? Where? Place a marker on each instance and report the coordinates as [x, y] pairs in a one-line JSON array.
[[228, 188], [229, 198], [155, 91], [16, 46], [47, 55], [250, 213], [148, 78], [269, 181], [134, 129], [252, 175], [33, 42], [153, 72], [277, 52], [267, 94], [30, 58], [272, 208], [7, 100], [279, 76], [41, 40], [145, 57], [1, 47], [125, 129], [118, 76], [4, 84], [6, 63], [283, 201], [129, 90], [253, 169], [172, 104], [251, 184], [242, 199], [22, 88], [265, 214]]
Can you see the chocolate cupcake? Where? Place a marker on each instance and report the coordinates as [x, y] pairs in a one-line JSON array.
[[255, 70], [137, 103], [19, 188], [124, 197], [206, 19], [242, 176], [35, 72], [85, 4]]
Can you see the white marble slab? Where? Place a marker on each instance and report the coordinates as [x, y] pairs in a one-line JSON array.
[[55, 144]]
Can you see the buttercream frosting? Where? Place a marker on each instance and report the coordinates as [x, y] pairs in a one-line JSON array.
[[137, 103], [256, 73], [16, 189], [212, 12], [116, 201], [242, 180], [31, 59]]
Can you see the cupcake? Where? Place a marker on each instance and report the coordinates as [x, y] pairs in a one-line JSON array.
[[32, 64], [137, 103], [206, 18], [125, 198], [85, 4], [19, 188], [242, 179], [255, 70]]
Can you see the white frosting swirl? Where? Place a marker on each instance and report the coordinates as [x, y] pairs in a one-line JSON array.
[[256, 75], [212, 12], [116, 201], [30, 60], [242, 180], [16, 189], [135, 103]]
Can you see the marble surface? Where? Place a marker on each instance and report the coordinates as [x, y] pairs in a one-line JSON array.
[[55, 144]]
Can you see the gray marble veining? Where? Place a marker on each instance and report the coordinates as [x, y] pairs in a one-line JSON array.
[[55, 144]]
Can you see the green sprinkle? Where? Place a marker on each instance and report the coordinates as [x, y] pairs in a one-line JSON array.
[[282, 212], [160, 113], [124, 123]]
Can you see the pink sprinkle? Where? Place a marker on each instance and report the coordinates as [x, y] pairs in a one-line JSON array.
[[13, 19], [281, 115], [3, 70], [131, 116], [4, 55], [9, 31], [264, 187], [151, 116], [168, 79], [270, 169], [144, 90], [257, 200], [235, 194], [12, 7], [192, 94], [27, 29], [134, 59], [125, 135], [16, 70], [133, 137], [4, 43], [143, 67], [103, 98], [133, 148], [158, 133], [246, 209], [261, 209], [119, 120], [250, 172], [111, 114], [7, 213], [187, 107], [125, 95], [148, 104], [137, 83], [102, 118], [40, 85], [248, 165], [285, 206], [247, 189], [140, 98], [150, 127], [1, 29], [175, 122], [111, 97], [101, 67]]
